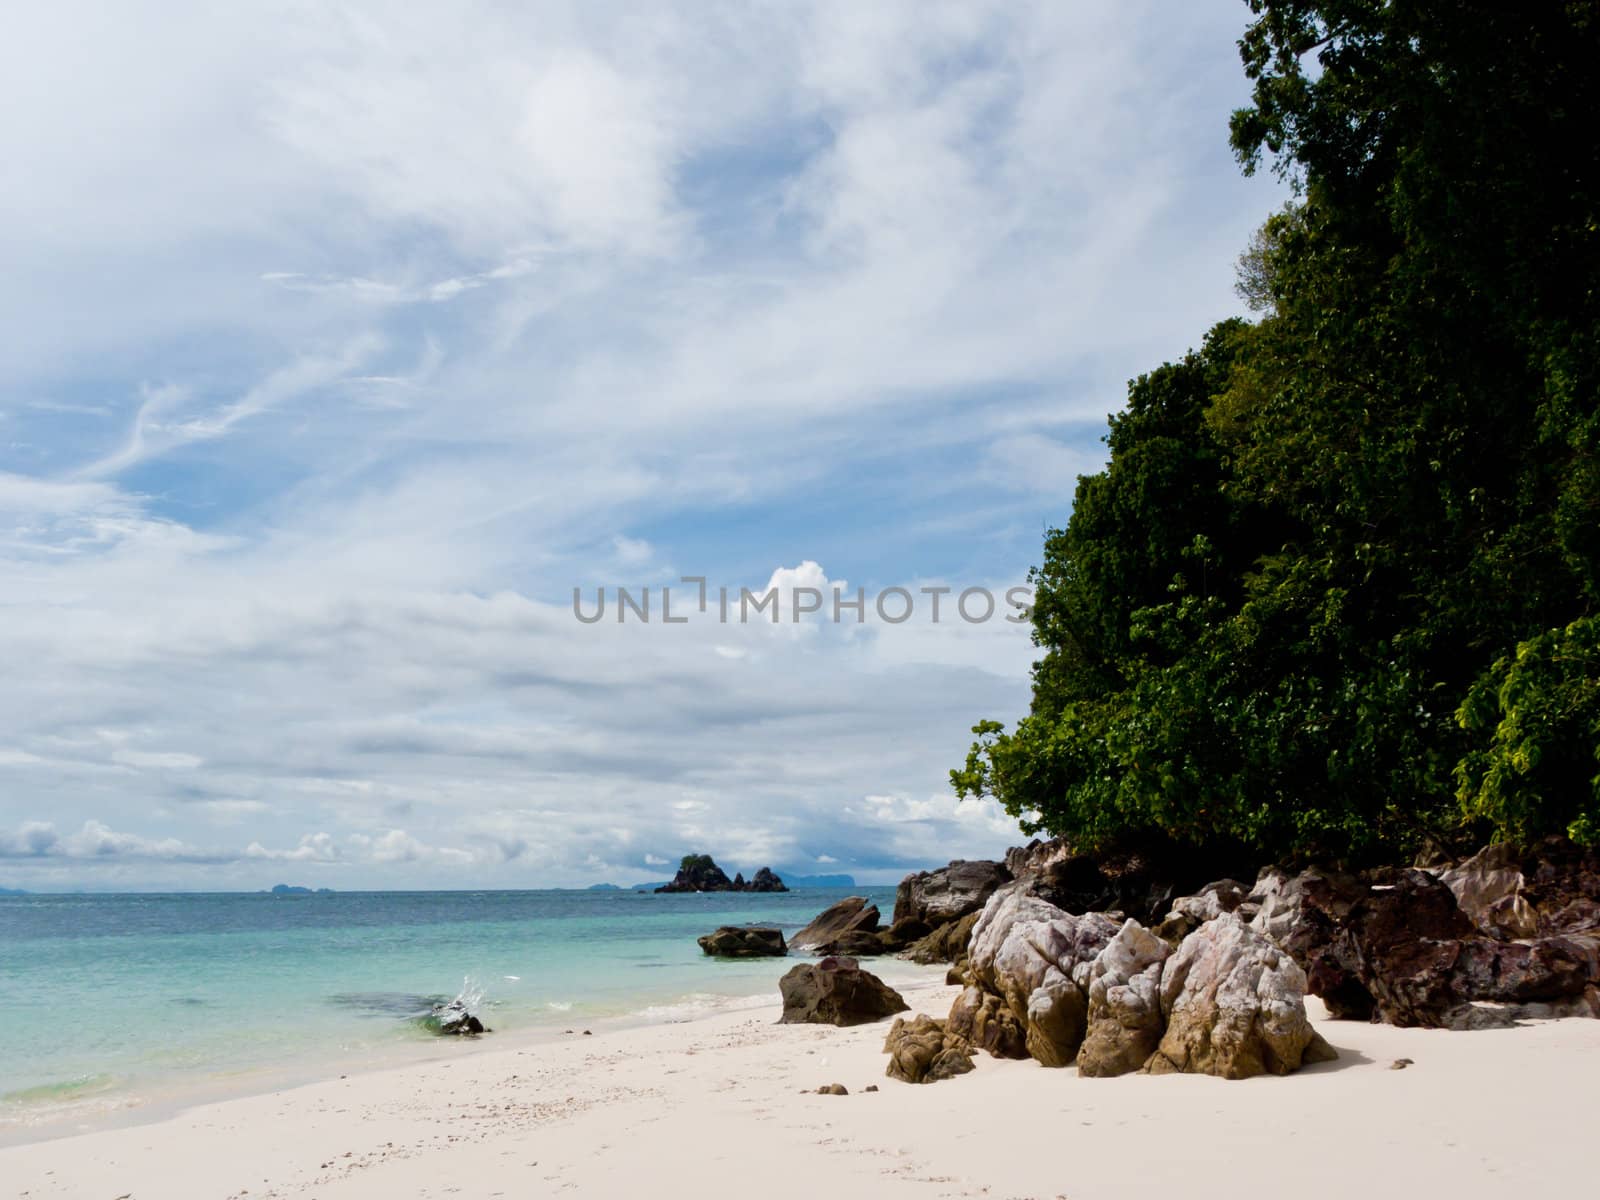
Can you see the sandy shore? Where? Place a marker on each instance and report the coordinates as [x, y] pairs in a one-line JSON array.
[[715, 1107]]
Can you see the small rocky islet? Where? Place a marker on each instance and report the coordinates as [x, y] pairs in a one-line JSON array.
[[700, 873], [1125, 963]]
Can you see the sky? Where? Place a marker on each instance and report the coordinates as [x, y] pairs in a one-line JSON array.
[[343, 341]]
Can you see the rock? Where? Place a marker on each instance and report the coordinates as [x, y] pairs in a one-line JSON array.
[[1140, 882], [1488, 889], [850, 915], [946, 944], [856, 943], [1562, 883], [455, 1020], [987, 1022], [1023, 861], [958, 975], [1125, 1020], [1280, 897], [934, 898], [871, 1087], [833, 1089], [699, 873], [1027, 951], [1188, 913], [1420, 961], [1234, 1006], [742, 941], [922, 1050], [1551, 888], [1400, 1064], [836, 991]]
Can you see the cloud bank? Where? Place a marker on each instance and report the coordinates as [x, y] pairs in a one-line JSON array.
[[342, 345]]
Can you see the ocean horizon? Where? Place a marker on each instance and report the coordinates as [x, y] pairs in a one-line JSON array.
[[136, 999]]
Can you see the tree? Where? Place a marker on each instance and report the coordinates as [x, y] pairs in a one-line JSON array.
[[1332, 593]]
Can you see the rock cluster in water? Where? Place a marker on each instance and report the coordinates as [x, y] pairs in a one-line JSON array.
[[700, 873], [744, 941]]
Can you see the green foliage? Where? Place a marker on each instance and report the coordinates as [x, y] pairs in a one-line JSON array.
[[1540, 708], [1331, 593]]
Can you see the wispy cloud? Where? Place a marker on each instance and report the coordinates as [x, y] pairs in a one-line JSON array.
[[368, 336]]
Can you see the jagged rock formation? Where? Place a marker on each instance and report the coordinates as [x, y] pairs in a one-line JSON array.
[[1405, 953], [1125, 1018], [700, 873], [858, 943], [853, 914], [1111, 997], [984, 1020], [1026, 951], [922, 1050], [836, 991], [1234, 1006], [744, 941], [948, 894], [929, 905], [946, 944]]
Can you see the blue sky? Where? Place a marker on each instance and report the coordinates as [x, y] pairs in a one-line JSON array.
[[344, 341]]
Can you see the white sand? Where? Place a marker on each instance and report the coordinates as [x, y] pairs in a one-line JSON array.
[[712, 1108]]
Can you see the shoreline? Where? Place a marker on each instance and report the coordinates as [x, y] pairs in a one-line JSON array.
[[156, 1100], [660, 1109]]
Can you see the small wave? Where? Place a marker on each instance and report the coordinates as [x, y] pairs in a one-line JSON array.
[[559, 1005], [512, 978], [80, 1088], [698, 1004]]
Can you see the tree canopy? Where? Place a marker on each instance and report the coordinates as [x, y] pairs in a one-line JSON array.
[[1336, 591]]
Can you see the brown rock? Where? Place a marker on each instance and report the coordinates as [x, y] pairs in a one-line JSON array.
[[836, 991], [1030, 953], [983, 1019], [1234, 1005], [934, 898], [1125, 1020], [741, 941], [850, 915], [857, 943], [922, 1050], [946, 944]]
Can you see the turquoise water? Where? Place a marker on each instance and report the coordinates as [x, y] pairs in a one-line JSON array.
[[112, 999]]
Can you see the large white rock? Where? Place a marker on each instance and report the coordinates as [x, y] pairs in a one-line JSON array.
[[1036, 957], [1125, 1021], [1234, 1005]]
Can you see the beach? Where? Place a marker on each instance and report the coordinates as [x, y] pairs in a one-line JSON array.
[[727, 1104]]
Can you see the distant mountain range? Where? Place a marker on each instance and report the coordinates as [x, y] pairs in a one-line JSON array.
[[284, 889], [12, 892]]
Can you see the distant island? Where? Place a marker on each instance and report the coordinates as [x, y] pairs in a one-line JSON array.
[[12, 892], [700, 873], [793, 882], [285, 889], [603, 887]]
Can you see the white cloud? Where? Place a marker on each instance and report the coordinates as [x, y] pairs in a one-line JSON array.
[[313, 848], [349, 346]]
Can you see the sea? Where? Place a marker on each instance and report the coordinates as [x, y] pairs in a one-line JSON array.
[[118, 1004]]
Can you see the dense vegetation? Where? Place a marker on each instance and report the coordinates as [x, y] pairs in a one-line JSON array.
[[1336, 592]]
